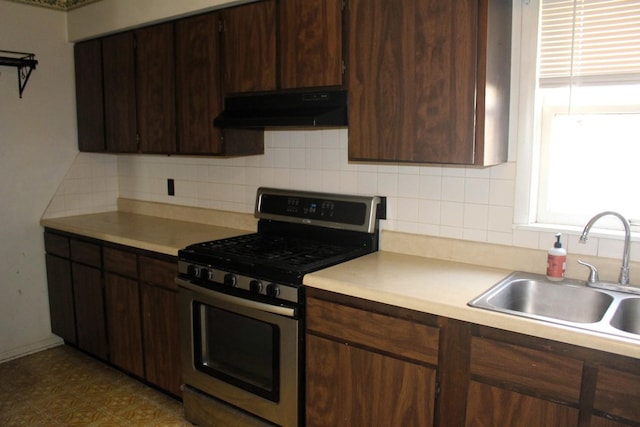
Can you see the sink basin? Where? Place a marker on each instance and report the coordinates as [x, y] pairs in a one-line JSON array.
[[569, 303], [627, 316], [552, 300]]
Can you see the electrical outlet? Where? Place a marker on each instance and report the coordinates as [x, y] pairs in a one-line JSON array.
[[171, 189]]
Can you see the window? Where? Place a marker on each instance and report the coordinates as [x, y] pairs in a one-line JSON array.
[[586, 156]]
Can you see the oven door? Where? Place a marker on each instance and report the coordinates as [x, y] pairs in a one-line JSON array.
[[241, 351]]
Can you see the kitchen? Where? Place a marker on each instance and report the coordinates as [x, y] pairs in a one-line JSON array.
[[473, 207]]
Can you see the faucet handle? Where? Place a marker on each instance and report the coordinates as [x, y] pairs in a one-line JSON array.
[[593, 272]]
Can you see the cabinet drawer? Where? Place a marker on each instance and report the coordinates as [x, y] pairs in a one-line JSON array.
[[56, 244], [388, 334], [618, 393], [158, 272], [85, 252], [121, 262], [521, 367]]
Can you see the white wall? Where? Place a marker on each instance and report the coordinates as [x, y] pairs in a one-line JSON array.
[[37, 146]]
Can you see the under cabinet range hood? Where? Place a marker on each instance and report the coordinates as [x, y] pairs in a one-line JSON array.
[[284, 109]]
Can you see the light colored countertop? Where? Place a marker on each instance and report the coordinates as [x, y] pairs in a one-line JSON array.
[[152, 233], [423, 283], [444, 288]]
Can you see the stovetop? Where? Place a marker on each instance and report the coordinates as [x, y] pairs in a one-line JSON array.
[[289, 253], [264, 254]]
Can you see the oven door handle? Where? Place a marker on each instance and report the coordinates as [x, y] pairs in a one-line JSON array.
[[219, 296]]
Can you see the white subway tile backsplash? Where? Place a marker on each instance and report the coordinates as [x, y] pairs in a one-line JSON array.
[[452, 214], [408, 185], [453, 188], [476, 190], [475, 204], [476, 216]]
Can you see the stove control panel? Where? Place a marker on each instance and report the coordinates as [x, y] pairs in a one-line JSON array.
[[207, 274]]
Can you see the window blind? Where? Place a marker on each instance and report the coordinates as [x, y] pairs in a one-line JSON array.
[[589, 42]]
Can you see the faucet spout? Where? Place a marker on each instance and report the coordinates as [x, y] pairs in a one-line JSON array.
[[624, 270]]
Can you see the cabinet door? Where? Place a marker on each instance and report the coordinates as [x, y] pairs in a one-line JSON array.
[[160, 322], [118, 65], [617, 394], [198, 85], [412, 80], [494, 406], [63, 320], [89, 97], [123, 320], [310, 43], [249, 47], [89, 309], [161, 339], [349, 386], [155, 89], [512, 383]]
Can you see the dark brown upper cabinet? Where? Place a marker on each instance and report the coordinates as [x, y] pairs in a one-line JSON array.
[[249, 47], [310, 43], [198, 95], [120, 117], [291, 44], [139, 90], [89, 100], [199, 92], [155, 89], [429, 81]]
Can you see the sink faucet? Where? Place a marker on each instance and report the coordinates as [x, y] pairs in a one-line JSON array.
[[624, 270]]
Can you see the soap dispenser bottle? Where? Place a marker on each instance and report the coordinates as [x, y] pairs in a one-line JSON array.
[[556, 261]]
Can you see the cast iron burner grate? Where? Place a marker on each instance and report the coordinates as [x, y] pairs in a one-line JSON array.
[[276, 250]]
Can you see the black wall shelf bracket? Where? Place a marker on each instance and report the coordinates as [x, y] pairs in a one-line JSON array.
[[24, 62]]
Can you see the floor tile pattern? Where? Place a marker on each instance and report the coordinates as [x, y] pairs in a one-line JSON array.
[[64, 387]]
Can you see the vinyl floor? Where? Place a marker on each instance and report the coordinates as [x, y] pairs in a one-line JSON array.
[[64, 387]]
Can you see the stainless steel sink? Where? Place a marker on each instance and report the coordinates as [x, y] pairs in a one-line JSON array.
[[569, 303], [627, 316], [547, 299]]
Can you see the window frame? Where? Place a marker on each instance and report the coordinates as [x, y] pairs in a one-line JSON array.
[[525, 146]]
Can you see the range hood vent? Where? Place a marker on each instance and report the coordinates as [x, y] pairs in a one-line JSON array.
[[286, 109]]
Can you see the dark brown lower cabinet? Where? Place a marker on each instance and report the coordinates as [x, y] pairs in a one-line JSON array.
[[354, 386], [368, 369], [89, 308], [494, 406], [511, 383], [63, 317], [159, 295], [125, 332], [122, 302], [617, 396], [364, 368], [161, 341]]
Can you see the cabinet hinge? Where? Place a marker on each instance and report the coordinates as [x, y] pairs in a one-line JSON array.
[[345, 4], [137, 141], [221, 26], [344, 67]]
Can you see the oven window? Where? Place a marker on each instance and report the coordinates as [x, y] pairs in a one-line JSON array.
[[237, 349]]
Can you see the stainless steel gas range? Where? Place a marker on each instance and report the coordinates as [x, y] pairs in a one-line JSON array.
[[242, 304]]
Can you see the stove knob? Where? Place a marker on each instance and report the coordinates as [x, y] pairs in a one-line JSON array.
[[230, 279], [255, 286], [193, 270], [206, 274], [273, 290]]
